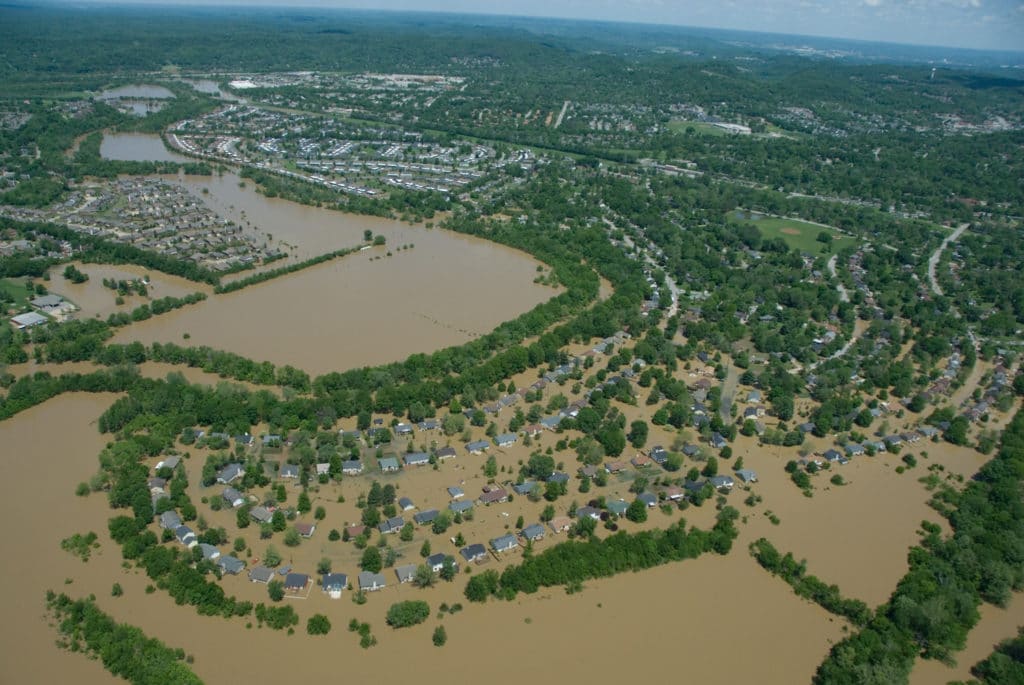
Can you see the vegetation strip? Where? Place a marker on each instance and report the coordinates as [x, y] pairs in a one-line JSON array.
[[809, 587], [265, 276], [124, 650], [570, 563], [936, 604]]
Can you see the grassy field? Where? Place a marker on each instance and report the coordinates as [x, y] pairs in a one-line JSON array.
[[798, 234], [14, 288]]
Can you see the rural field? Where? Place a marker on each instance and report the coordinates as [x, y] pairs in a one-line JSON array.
[[799, 235]]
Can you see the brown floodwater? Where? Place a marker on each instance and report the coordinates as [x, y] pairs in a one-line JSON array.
[[364, 309], [138, 147], [700, 610], [47, 450], [96, 300]]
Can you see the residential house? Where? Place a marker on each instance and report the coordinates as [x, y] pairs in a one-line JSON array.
[[551, 422], [334, 583], [352, 467], [186, 536], [533, 532], [648, 498], [718, 441], [853, 449], [169, 520], [323, 469], [355, 531], [473, 553], [658, 454], [391, 525], [416, 459], [261, 574], [403, 429], [210, 553], [477, 447], [428, 425], [405, 504], [674, 493], [232, 497], [524, 488], [721, 482], [231, 565], [614, 466], [289, 471], [833, 456], [558, 477], [493, 495], [435, 562], [640, 461], [560, 524], [506, 439], [306, 530], [446, 453], [406, 573], [754, 397], [296, 582], [455, 492], [260, 515], [388, 464], [586, 511], [747, 475], [505, 543], [424, 517], [460, 507], [170, 462], [589, 471], [371, 582], [230, 473]]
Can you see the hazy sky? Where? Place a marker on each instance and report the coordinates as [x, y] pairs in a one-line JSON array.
[[994, 24]]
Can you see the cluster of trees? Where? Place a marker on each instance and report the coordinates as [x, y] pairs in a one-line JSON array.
[[155, 308], [408, 613], [28, 391], [936, 603], [572, 562], [795, 573], [124, 650]]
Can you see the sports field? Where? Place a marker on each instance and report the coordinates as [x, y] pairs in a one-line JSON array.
[[799, 234]]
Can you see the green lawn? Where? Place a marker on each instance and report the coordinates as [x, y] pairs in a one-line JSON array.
[[15, 288], [798, 234]]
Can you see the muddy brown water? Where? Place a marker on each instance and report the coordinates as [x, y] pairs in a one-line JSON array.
[[96, 300], [698, 610], [138, 147], [364, 309]]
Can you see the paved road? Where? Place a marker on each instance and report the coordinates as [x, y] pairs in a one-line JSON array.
[[933, 261]]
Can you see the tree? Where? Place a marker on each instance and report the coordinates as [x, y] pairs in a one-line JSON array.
[[405, 535], [482, 585], [440, 636], [304, 504], [491, 467], [318, 624], [371, 560], [637, 512], [425, 576], [275, 589], [278, 522], [441, 523], [448, 569], [291, 538], [320, 514], [323, 567], [408, 613], [425, 549], [272, 557], [638, 434]]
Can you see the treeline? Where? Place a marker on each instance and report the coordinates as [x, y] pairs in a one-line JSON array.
[[936, 604], [124, 650], [28, 391], [155, 308], [809, 587], [572, 562], [89, 162], [264, 276]]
